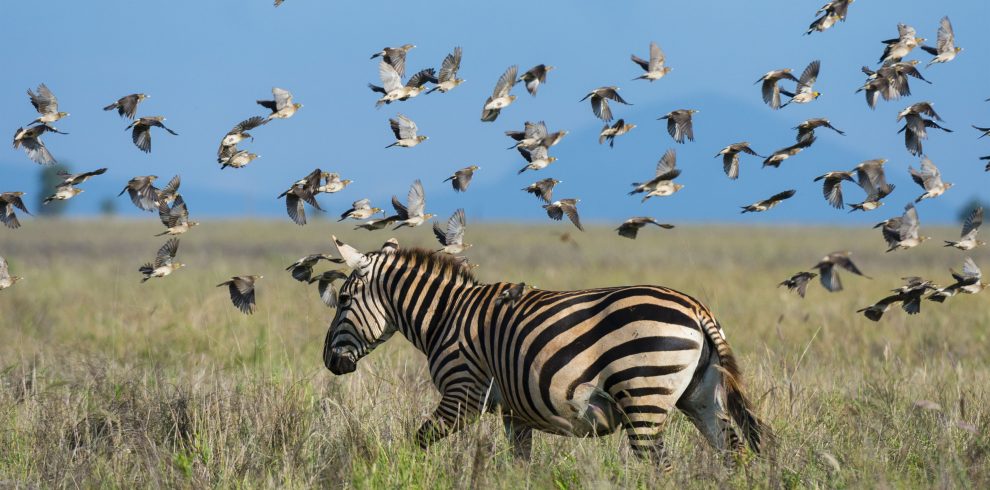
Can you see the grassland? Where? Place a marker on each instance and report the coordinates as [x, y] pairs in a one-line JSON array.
[[107, 382]]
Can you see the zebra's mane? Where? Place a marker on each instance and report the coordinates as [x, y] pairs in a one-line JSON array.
[[441, 262]]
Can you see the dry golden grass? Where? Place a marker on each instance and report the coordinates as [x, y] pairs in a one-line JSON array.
[[108, 382]]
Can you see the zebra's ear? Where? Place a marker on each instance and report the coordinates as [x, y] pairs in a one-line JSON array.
[[354, 259], [390, 246]]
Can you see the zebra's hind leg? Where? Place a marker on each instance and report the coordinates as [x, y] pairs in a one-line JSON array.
[[644, 424], [453, 413], [520, 437], [704, 404]]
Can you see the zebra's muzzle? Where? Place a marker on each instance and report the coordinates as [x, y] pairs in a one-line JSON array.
[[341, 362]]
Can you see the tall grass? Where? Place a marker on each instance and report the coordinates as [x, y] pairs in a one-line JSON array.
[[108, 382]]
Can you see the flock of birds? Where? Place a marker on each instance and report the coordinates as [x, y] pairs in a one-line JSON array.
[[890, 81]]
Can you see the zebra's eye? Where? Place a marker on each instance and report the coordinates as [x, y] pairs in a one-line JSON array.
[[343, 298]]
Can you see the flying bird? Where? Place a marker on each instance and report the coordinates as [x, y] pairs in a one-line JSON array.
[[500, 98], [890, 81], [896, 49], [302, 269], [829, 276], [930, 179], [909, 295], [599, 101], [282, 107], [654, 68], [679, 124], [46, 104], [452, 237], [127, 105], [395, 57], [63, 192], [798, 282], [771, 87], [535, 134], [945, 49], [462, 178], [333, 183], [630, 227], [777, 157], [228, 146], [324, 285], [830, 13], [413, 213], [360, 209], [6, 280], [543, 189], [832, 187], [871, 178], [730, 158], [242, 292], [175, 217], [30, 140], [392, 88], [662, 184], [141, 131], [971, 227], [915, 125], [534, 77], [766, 204], [142, 192], [536, 158], [969, 281], [239, 159], [806, 130], [164, 263], [609, 133], [902, 233], [8, 202], [448, 72], [806, 86], [557, 209], [76, 179], [405, 131], [302, 192]]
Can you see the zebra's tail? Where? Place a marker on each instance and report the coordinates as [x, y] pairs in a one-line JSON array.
[[739, 406]]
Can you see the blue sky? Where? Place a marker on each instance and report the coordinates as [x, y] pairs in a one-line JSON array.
[[205, 63]]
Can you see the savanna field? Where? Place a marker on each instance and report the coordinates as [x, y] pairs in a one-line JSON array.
[[111, 383]]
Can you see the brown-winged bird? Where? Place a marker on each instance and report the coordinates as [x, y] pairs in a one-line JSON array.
[[127, 105], [829, 276], [141, 131], [242, 292], [630, 227], [8, 202]]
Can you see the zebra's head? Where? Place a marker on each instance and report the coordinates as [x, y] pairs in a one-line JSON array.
[[361, 322]]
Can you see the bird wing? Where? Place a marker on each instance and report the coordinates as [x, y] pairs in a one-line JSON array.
[[173, 186], [248, 124], [362, 204], [4, 271], [536, 131], [683, 127], [629, 229], [283, 98], [970, 269], [909, 223], [440, 233], [403, 127], [456, 226], [667, 164], [730, 165], [295, 208], [830, 278], [421, 77], [242, 293], [396, 57], [451, 63], [832, 189], [780, 196], [462, 178], [37, 151], [656, 57], [141, 135], [809, 76], [613, 94], [569, 207], [599, 105], [416, 199], [946, 42], [127, 106], [400, 209], [644, 64], [771, 92], [505, 82], [44, 100], [973, 222], [167, 252]]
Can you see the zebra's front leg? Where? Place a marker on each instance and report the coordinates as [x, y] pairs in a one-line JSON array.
[[520, 437], [644, 420], [450, 416]]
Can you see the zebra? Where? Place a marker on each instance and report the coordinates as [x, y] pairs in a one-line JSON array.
[[573, 363]]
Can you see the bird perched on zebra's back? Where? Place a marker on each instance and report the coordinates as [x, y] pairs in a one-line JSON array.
[[902, 233], [542, 189], [930, 179], [599, 101], [777, 157], [730, 158], [282, 107], [630, 227], [806, 130], [413, 213], [324, 286], [302, 269], [805, 91], [6, 279], [165, 263], [830, 13], [969, 281], [452, 238], [654, 67], [909, 295], [360, 209], [534, 77], [512, 294], [30, 140], [609, 133], [395, 57], [447, 79], [242, 292], [302, 192], [829, 277], [175, 218], [228, 145], [405, 131], [141, 131], [679, 124], [8, 202], [771, 85], [896, 49], [945, 49], [798, 282], [127, 105], [45, 102], [970, 228], [557, 209], [662, 184], [870, 177], [537, 158], [832, 187], [142, 192], [462, 178], [500, 98], [767, 204]]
